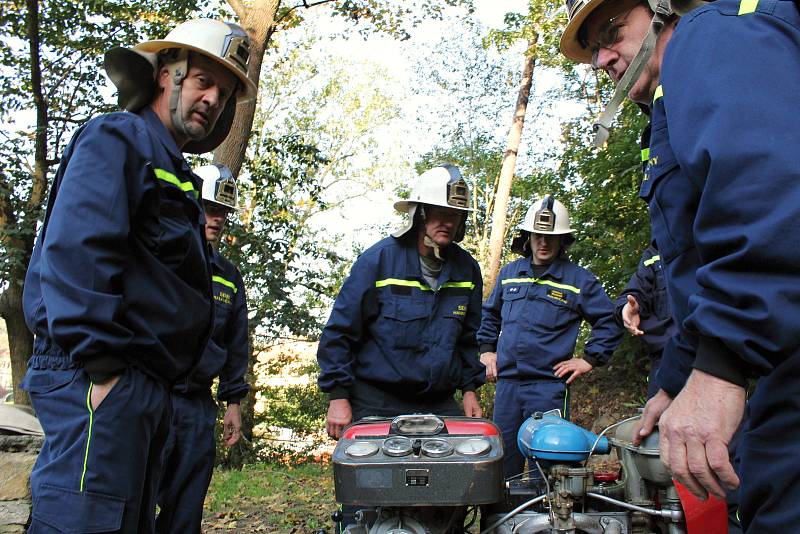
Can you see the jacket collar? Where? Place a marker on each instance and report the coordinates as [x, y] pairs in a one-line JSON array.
[[412, 269], [555, 270], [162, 133]]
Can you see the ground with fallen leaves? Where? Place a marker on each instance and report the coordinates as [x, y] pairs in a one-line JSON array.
[[270, 499]]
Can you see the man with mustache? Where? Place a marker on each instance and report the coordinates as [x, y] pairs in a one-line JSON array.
[[721, 203], [190, 449], [118, 291], [531, 321]]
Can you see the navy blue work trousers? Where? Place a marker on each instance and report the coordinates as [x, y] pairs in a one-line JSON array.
[[769, 470], [517, 399], [188, 463], [99, 468]]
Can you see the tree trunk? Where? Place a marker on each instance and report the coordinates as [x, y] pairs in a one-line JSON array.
[[499, 213], [20, 339], [257, 21]]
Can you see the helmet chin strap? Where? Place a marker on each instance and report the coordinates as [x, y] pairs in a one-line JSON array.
[[661, 13], [428, 240], [178, 70], [432, 244]]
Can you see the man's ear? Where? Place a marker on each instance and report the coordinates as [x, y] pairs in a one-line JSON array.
[[162, 77]]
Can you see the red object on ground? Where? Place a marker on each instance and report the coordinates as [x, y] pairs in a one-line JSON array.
[[455, 427], [703, 517]]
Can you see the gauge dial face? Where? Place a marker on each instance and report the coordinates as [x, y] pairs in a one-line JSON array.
[[397, 446], [361, 449], [437, 448], [474, 447]]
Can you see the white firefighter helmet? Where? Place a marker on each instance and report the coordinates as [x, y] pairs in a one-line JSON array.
[[133, 71], [440, 186], [219, 185], [545, 216]]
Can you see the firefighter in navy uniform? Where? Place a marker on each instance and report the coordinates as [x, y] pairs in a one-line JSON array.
[[190, 450], [643, 309], [401, 336], [118, 291], [531, 321], [723, 208]]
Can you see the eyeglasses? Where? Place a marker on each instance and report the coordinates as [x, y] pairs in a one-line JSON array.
[[608, 34]]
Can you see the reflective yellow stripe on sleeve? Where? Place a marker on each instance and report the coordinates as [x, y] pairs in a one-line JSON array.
[[168, 177], [226, 283], [645, 154], [747, 6], [652, 260], [542, 282], [659, 93]]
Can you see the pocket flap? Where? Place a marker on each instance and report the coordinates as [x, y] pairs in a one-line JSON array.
[[78, 512], [514, 292], [46, 380], [406, 309]]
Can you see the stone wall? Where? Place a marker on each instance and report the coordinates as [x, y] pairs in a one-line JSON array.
[[17, 455]]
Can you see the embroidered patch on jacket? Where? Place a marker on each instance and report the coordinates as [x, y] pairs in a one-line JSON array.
[[460, 310], [224, 297], [557, 295], [513, 289]]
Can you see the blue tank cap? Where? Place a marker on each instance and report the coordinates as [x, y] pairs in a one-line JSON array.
[[552, 438]]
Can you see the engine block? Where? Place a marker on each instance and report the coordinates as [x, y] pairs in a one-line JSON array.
[[419, 460]]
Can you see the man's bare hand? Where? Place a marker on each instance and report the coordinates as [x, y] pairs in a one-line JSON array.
[[652, 413], [576, 366], [695, 432], [472, 408], [340, 414], [489, 359], [232, 425], [101, 391], [630, 316]]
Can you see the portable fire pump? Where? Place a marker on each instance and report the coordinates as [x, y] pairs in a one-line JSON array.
[[423, 474]]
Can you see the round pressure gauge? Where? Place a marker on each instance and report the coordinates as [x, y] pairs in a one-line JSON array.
[[361, 449], [474, 447], [397, 446], [437, 448]]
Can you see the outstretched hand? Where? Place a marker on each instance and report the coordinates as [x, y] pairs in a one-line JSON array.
[[630, 316]]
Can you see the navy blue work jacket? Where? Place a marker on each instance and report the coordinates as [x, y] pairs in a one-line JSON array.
[[722, 185], [533, 323], [648, 286], [228, 350], [120, 273], [389, 328]]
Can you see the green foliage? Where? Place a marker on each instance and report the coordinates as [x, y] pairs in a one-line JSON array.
[[72, 37], [391, 17]]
